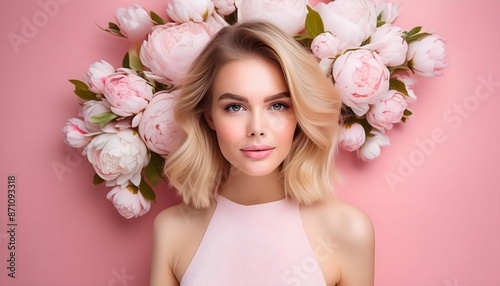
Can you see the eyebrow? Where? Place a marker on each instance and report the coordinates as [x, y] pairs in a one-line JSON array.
[[229, 95]]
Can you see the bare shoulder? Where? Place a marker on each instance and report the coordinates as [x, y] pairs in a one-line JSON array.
[[173, 232], [350, 231], [344, 221], [175, 217]]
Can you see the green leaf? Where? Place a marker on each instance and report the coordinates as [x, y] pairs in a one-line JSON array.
[[114, 30], [146, 191], [400, 67], [380, 22], [103, 118], [314, 23], [398, 86], [97, 180], [403, 119], [82, 90], [366, 126], [126, 61], [134, 58], [417, 37], [154, 169], [157, 19], [413, 31], [407, 112]]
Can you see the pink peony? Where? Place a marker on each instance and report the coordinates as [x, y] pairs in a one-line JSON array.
[[127, 93], [97, 75], [389, 44], [158, 127], [371, 149], [182, 11], [352, 136], [385, 113], [90, 109], [171, 48], [325, 45], [361, 78], [352, 21], [128, 201], [224, 7], [75, 133], [427, 56], [118, 157], [289, 15], [388, 11], [134, 22]]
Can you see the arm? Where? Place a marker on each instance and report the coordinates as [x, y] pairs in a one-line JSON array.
[[358, 257], [161, 270]]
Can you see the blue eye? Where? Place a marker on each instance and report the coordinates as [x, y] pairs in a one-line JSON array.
[[234, 108], [278, 106]]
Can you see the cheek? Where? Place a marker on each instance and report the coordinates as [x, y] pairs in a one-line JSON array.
[[227, 130], [283, 125]]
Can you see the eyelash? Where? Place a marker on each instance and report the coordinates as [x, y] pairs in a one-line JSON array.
[[231, 106]]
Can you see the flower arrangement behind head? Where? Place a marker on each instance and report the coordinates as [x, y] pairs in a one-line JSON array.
[[127, 127], [197, 168]]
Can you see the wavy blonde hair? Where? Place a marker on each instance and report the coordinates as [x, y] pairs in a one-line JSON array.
[[197, 167]]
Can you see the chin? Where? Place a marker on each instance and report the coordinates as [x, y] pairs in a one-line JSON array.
[[254, 171]]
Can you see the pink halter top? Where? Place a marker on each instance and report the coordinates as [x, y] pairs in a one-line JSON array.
[[262, 244]]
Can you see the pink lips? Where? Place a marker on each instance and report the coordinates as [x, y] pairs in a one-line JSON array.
[[257, 151]]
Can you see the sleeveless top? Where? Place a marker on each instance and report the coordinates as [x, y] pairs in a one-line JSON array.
[[263, 244]]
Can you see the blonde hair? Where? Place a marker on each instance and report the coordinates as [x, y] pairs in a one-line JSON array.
[[197, 168]]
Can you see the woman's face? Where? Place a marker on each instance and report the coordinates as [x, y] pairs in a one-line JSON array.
[[252, 115]]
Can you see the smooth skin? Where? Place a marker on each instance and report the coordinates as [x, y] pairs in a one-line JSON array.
[[251, 105]]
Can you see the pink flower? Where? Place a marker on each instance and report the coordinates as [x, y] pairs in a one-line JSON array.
[[127, 93], [371, 149], [158, 127], [170, 50], [97, 75], [427, 56], [385, 113], [128, 201], [352, 21], [409, 82], [92, 108], [389, 44], [224, 7], [289, 15], [118, 157], [352, 136], [388, 11], [361, 78], [182, 11], [134, 22], [325, 45], [75, 133]]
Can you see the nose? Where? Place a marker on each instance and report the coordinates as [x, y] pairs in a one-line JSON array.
[[256, 125]]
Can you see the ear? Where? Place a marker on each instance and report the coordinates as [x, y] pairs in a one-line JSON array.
[[208, 117]]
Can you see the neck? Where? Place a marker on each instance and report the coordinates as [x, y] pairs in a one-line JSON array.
[[249, 190]]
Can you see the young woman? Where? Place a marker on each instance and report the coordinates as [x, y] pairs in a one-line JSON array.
[[254, 172]]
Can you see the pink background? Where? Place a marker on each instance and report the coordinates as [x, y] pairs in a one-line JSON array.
[[439, 225]]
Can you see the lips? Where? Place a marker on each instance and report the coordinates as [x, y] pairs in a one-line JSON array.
[[257, 151], [257, 148]]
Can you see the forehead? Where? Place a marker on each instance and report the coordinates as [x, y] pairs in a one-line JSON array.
[[252, 76]]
